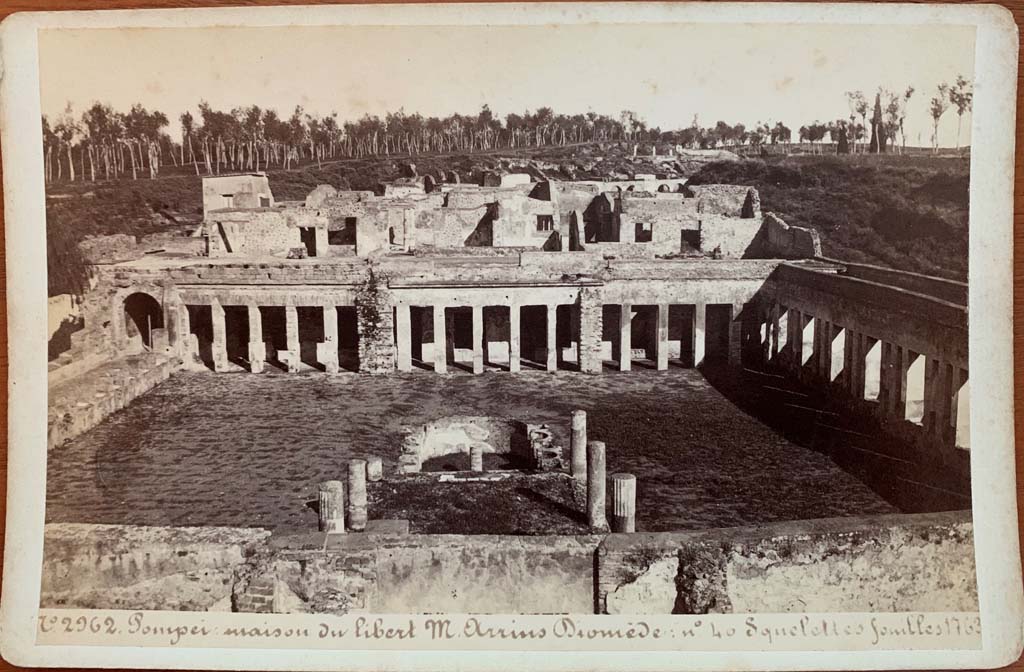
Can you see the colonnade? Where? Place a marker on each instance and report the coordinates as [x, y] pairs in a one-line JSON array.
[[922, 388]]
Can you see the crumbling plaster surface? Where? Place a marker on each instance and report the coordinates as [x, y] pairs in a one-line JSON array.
[[922, 562], [127, 567]]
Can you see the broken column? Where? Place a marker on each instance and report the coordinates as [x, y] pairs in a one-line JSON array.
[[596, 486], [327, 352], [578, 445], [332, 506], [374, 468], [357, 495], [623, 503], [257, 348], [476, 458], [220, 346]]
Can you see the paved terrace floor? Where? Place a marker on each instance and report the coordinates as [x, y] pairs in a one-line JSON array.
[[249, 450]]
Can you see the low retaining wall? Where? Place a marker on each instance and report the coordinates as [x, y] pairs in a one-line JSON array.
[[81, 403], [883, 563], [886, 563], [131, 567]]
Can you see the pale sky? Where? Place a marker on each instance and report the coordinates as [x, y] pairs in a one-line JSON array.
[[667, 73]]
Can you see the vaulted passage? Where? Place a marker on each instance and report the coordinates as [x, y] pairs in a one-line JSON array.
[[142, 315]]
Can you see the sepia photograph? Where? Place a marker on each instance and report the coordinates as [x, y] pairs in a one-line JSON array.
[[561, 321]]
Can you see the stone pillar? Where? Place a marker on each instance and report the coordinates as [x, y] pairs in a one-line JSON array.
[[857, 366], [403, 333], [374, 468], [885, 381], [478, 339], [332, 507], [591, 330], [736, 335], [847, 361], [357, 514], [319, 242], [773, 333], [825, 351], [552, 337], [220, 346], [257, 348], [578, 445], [944, 394], [626, 338], [440, 341], [661, 349], [476, 458], [185, 340], [623, 503], [327, 352], [291, 356], [898, 394], [699, 332], [596, 487], [796, 339], [931, 388], [513, 338]]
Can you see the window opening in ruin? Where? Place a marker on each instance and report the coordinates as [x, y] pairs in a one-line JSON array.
[[915, 389], [643, 232], [963, 415], [807, 341], [838, 352], [782, 333], [545, 223], [228, 200], [873, 370], [336, 237], [264, 202]]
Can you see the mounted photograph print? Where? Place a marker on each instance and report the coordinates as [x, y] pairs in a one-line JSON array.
[[527, 336]]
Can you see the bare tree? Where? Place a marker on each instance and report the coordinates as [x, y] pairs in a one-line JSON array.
[[858, 107], [939, 105], [961, 94]]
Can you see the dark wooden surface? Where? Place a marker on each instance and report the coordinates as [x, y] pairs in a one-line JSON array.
[[11, 6]]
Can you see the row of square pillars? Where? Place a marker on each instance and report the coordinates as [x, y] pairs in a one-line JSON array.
[[549, 336], [906, 385], [295, 335]]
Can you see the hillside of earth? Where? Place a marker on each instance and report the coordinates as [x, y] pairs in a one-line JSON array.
[[904, 212], [907, 212]]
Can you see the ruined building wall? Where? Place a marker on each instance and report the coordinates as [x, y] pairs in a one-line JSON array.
[[895, 563], [789, 242]]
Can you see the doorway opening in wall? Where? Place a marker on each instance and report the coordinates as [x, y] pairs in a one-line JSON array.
[[915, 389], [391, 235], [200, 324], [683, 317], [567, 337], [643, 336], [421, 337], [872, 369], [236, 334], [311, 333], [348, 338], [644, 232], [807, 341], [689, 240], [142, 314], [545, 223], [610, 316], [718, 320], [275, 333], [497, 337], [459, 341], [837, 355], [308, 236], [533, 344]]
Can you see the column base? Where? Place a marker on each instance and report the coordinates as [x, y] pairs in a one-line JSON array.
[[290, 358], [257, 356], [327, 354]]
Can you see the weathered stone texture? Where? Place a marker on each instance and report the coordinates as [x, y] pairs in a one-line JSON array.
[[591, 357], [376, 324], [887, 563]]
